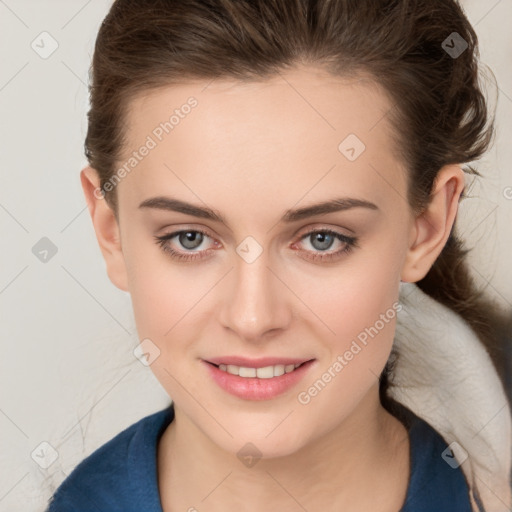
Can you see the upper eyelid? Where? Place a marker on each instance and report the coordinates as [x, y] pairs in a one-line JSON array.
[[317, 227], [303, 231]]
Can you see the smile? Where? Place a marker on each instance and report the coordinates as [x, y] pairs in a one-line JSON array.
[[259, 382], [265, 372]]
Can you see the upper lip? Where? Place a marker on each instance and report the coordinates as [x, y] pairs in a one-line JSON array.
[[260, 362]]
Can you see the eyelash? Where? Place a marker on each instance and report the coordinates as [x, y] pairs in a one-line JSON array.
[[350, 244]]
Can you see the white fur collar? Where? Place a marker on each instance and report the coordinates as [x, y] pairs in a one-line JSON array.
[[444, 375]]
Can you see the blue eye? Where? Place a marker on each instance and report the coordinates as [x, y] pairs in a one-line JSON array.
[[320, 239], [189, 239], [323, 240]]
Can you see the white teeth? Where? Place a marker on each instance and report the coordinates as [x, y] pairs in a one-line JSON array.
[[232, 369], [278, 370], [247, 372], [263, 373], [266, 372]]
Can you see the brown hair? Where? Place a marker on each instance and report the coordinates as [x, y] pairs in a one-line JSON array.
[[439, 114]]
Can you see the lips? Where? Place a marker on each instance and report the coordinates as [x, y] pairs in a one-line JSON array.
[[257, 379]]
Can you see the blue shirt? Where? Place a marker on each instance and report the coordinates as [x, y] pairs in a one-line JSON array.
[[121, 475]]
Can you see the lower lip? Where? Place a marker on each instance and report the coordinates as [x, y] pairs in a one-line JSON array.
[[253, 388]]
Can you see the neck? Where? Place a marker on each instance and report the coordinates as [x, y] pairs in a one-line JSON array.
[[362, 464]]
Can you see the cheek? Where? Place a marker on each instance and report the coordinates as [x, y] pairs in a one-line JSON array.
[[164, 294], [354, 296], [358, 307], [166, 304], [362, 315]]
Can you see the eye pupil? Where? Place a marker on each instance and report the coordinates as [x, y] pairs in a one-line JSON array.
[[325, 240], [188, 239]]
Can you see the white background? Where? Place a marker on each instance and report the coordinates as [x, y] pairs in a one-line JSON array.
[[68, 374]]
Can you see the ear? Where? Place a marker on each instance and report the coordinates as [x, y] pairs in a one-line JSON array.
[[106, 227], [432, 227]]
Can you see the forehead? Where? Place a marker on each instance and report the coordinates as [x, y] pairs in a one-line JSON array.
[[288, 133]]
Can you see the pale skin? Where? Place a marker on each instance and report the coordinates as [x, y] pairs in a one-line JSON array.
[[251, 152]]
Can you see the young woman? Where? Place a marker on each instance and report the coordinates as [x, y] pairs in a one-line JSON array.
[[276, 183]]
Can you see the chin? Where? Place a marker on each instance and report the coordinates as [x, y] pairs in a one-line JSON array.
[[263, 442]]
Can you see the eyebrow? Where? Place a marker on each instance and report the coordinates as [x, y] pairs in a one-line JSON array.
[[333, 205]]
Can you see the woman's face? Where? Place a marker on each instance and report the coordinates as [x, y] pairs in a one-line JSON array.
[[258, 282]]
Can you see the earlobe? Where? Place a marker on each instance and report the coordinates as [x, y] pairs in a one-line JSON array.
[[432, 227], [106, 228]]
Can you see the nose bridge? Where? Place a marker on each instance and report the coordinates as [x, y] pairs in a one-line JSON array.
[[257, 302]]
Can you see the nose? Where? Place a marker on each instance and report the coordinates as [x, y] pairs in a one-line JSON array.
[[256, 304]]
